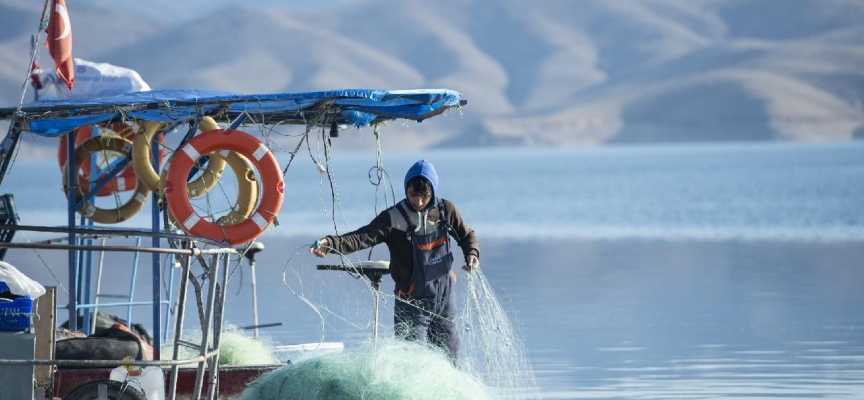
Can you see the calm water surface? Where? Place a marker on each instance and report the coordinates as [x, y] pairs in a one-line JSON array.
[[648, 272]]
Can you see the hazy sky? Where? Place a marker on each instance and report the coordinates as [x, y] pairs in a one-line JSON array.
[[175, 11]]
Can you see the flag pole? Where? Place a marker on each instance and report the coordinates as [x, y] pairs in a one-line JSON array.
[[33, 44]]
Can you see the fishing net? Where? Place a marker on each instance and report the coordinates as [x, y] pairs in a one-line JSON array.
[[385, 370], [491, 357], [235, 348], [492, 348]]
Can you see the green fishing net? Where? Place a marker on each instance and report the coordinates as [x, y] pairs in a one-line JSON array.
[[493, 362], [388, 369], [235, 348]]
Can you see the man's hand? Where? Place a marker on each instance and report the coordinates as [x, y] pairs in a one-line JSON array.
[[471, 262], [320, 248]]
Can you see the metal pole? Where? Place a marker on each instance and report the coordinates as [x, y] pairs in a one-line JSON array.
[[170, 299], [254, 299], [98, 288], [9, 144], [33, 44], [87, 265], [376, 283], [72, 184], [205, 330], [217, 333], [375, 318], [157, 276], [86, 258], [178, 324], [131, 296], [237, 121], [254, 248]]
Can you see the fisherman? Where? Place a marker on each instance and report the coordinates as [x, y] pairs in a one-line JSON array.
[[415, 231]]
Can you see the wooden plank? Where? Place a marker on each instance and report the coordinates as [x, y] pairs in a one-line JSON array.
[[44, 322]]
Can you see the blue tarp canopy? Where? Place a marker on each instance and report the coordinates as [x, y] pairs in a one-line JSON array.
[[357, 107]]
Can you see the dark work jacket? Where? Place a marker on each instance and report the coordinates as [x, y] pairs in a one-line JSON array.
[[391, 228]]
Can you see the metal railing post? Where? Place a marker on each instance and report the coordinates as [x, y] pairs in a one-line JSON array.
[[178, 324], [208, 322]]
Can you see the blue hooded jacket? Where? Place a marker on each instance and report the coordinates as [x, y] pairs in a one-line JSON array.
[[426, 170], [389, 227]]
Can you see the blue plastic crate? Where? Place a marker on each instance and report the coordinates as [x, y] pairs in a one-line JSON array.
[[15, 314]]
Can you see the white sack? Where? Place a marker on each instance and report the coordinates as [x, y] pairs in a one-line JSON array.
[[19, 283], [93, 80]]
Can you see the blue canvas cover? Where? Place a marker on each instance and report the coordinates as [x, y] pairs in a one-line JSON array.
[[356, 107]]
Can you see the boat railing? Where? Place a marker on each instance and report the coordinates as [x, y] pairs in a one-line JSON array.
[[183, 247]]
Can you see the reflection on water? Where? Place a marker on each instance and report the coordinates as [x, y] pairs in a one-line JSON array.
[[693, 320], [729, 374]]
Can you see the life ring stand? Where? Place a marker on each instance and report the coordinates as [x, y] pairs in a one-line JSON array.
[[247, 187], [272, 186], [124, 181], [143, 166], [89, 210]]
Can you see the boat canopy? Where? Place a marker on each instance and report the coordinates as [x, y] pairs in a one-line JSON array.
[[356, 107]]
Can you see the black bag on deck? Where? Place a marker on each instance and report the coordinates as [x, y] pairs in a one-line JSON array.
[[114, 343], [104, 321]]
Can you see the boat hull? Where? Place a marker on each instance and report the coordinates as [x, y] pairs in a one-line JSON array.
[[232, 379]]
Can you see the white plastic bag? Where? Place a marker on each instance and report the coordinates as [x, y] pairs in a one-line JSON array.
[[93, 80], [19, 284]]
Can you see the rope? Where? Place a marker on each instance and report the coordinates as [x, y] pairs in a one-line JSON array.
[[380, 174], [43, 25], [50, 271]]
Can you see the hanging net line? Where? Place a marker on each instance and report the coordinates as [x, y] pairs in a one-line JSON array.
[[493, 348]]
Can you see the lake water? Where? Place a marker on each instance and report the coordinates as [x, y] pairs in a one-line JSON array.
[[723, 271]]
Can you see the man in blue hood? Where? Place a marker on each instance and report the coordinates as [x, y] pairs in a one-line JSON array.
[[416, 232]]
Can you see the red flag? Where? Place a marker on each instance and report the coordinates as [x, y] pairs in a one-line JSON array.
[[60, 42]]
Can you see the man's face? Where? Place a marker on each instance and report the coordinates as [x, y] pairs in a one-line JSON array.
[[418, 202]]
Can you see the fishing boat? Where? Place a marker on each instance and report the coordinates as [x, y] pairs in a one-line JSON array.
[[212, 128]]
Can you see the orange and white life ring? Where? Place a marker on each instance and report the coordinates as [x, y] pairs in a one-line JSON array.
[[272, 186], [143, 166], [89, 210], [247, 187], [123, 181]]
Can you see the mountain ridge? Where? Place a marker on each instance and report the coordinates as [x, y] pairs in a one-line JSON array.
[[545, 73]]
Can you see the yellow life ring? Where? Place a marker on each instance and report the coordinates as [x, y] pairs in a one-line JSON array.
[[247, 187], [272, 186], [147, 174], [89, 210]]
